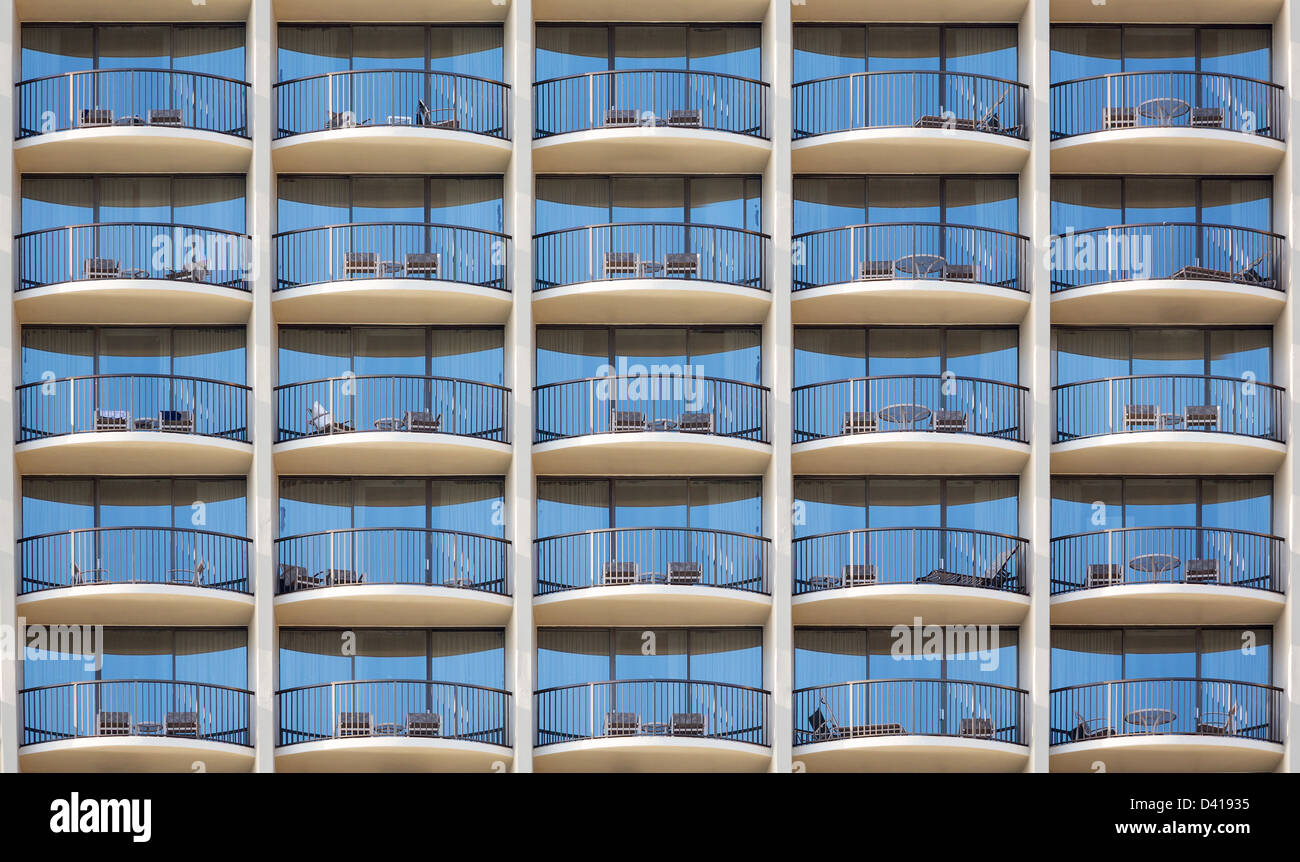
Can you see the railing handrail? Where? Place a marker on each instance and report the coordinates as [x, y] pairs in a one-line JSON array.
[[1110, 530], [428, 530], [497, 386], [945, 681], [758, 386], [1150, 224], [938, 224], [341, 225], [885, 72], [608, 72], [430, 72], [151, 376], [1197, 72], [603, 682], [133, 681], [1212, 680], [339, 682], [1122, 377], [1018, 386], [77, 72], [602, 530], [187, 530], [703, 225], [857, 530], [162, 224]]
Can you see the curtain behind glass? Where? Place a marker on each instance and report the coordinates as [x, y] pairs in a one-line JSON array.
[[572, 656], [467, 50], [649, 47], [208, 49], [468, 657], [827, 202], [826, 354], [313, 354], [61, 351], [729, 354], [732, 656], [730, 50], [212, 353], [312, 657], [1082, 656], [314, 505], [1082, 52], [565, 506], [1244, 51], [564, 203], [1086, 505], [51, 505], [829, 506], [571, 354], [1080, 204], [305, 202], [981, 51], [824, 52], [468, 506], [472, 202], [727, 504], [210, 202], [213, 656], [469, 354], [829, 656], [1089, 354], [312, 50], [53, 50], [571, 49], [989, 354]]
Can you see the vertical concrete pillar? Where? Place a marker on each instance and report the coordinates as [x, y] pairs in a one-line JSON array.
[[10, 664]]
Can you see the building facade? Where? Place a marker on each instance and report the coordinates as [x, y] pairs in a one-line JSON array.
[[738, 385]]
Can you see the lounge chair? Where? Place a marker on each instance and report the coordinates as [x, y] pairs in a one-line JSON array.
[[321, 421], [177, 421], [101, 267], [355, 724], [82, 576], [1103, 575], [95, 117], [871, 270], [423, 724], [977, 728], [112, 420], [683, 264], [627, 420], [1118, 118], [1140, 416], [1089, 728], [616, 572], [1207, 118], [859, 575], [686, 724], [192, 576], [622, 263], [695, 423], [959, 271], [1248, 274], [859, 422], [181, 724], [421, 421], [112, 724], [949, 420], [164, 116], [620, 117], [995, 576], [622, 723], [1202, 416], [1218, 723], [684, 573], [364, 263], [1203, 571], [685, 118], [423, 264], [826, 726]]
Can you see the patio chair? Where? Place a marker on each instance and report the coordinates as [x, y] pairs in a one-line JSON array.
[[289, 575], [196, 270], [686, 724], [686, 574], [82, 576], [342, 120], [976, 728], [112, 724], [343, 577], [164, 116], [1248, 274], [1202, 416], [949, 420], [112, 420], [365, 263], [1103, 575], [1202, 571], [181, 724], [101, 267], [1207, 118], [423, 264], [682, 264], [423, 724], [191, 576], [95, 117], [622, 263], [321, 421], [823, 724], [626, 420], [685, 118], [622, 723], [695, 423], [421, 421], [859, 422], [618, 572], [1089, 728], [620, 117], [1119, 118], [959, 271], [1218, 723], [176, 421], [1141, 416], [355, 724], [871, 270], [859, 575]]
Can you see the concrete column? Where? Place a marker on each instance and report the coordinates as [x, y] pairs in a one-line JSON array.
[[10, 665]]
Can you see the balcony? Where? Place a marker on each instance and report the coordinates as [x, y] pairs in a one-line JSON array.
[[914, 121], [650, 120], [1163, 423], [889, 575], [910, 424], [911, 725], [122, 424], [135, 726], [651, 273], [652, 725], [141, 10], [135, 576], [400, 725], [1239, 12], [652, 424], [122, 273], [409, 121], [1168, 576], [360, 11], [1167, 123], [652, 576], [1167, 725], [392, 576], [632, 11], [124, 120], [392, 425], [381, 272], [910, 273], [1168, 273]]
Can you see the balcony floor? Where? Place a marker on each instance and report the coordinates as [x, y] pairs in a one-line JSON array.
[[635, 11], [652, 754], [132, 301], [134, 754], [1167, 604], [908, 150], [133, 453], [651, 605], [393, 754], [1166, 302], [137, 605], [919, 301], [650, 150], [651, 453], [392, 605], [912, 754], [895, 604], [966, 12], [391, 301], [1167, 753], [399, 149], [650, 301], [1166, 453], [909, 453], [1159, 150], [132, 149], [397, 453]]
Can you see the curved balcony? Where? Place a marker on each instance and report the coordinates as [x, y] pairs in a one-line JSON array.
[[652, 576], [1151, 423], [135, 273], [651, 424], [652, 272], [1167, 123], [1168, 273], [652, 725], [914, 121], [135, 725], [392, 425], [888, 575], [129, 120], [362, 12], [930, 11], [402, 725], [910, 273], [910, 424], [650, 120], [400, 576], [1167, 725], [385, 272], [911, 725], [135, 576], [154, 424], [409, 121], [1168, 576]]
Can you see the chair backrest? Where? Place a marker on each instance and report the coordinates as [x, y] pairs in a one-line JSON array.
[[1000, 562], [832, 724], [317, 415]]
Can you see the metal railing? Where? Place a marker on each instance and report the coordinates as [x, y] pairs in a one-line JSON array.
[[658, 250], [910, 555], [1169, 250], [664, 98], [1168, 555], [676, 556], [910, 99], [132, 402], [651, 402], [879, 252], [913, 707], [394, 98], [1170, 402], [412, 708], [136, 707], [1141, 707], [134, 555], [1199, 100], [393, 555], [436, 405], [652, 707], [392, 250], [158, 98], [185, 254], [923, 402]]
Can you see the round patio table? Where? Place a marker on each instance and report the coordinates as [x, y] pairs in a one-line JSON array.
[[904, 414], [1150, 717], [1165, 109], [920, 264], [1155, 564]]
